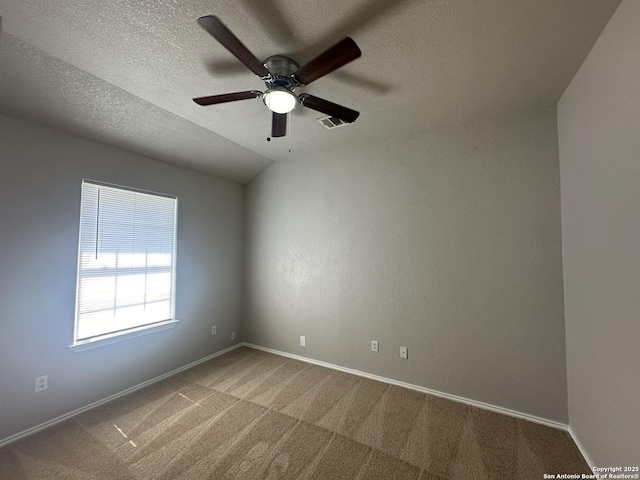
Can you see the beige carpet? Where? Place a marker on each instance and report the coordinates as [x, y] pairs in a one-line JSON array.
[[253, 415]]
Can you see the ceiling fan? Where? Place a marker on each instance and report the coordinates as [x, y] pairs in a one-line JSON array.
[[282, 76]]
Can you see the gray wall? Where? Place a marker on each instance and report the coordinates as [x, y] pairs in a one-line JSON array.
[[599, 134], [447, 242], [40, 180]]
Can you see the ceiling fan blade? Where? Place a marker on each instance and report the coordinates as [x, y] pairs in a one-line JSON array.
[[222, 34], [279, 124], [227, 97], [320, 105], [337, 56]]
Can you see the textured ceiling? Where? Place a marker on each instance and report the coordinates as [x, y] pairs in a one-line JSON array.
[[124, 71]]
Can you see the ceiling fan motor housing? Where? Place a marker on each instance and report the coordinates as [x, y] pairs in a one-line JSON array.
[[282, 69]]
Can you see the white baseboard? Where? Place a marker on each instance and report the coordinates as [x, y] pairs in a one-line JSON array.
[[66, 416], [583, 451], [455, 398]]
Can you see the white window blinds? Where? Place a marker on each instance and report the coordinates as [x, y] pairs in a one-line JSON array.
[[126, 261]]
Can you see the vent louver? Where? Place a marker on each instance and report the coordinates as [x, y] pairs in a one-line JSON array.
[[332, 122]]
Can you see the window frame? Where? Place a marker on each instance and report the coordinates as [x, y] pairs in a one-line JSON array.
[[114, 336]]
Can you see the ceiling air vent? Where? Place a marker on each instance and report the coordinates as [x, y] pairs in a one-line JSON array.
[[332, 122]]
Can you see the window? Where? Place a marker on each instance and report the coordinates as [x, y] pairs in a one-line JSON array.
[[126, 261]]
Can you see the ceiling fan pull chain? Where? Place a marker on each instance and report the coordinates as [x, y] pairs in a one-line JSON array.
[[290, 124], [271, 125]]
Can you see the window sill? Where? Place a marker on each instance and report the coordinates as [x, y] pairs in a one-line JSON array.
[[121, 337]]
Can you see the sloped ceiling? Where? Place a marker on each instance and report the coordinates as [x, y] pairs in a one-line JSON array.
[[124, 71]]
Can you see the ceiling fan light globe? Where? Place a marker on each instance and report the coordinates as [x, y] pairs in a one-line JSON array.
[[280, 100]]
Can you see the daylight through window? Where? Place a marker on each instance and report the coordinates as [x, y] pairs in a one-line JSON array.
[[126, 261]]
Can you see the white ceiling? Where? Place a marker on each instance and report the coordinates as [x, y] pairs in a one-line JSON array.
[[124, 71]]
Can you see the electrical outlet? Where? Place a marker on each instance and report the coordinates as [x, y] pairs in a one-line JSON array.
[[42, 383], [233, 335], [213, 330], [303, 341], [374, 345], [404, 353]]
